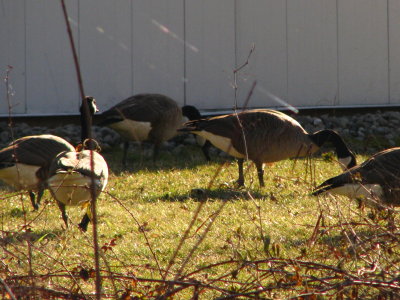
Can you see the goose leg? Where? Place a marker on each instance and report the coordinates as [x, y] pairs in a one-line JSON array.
[[63, 213], [205, 149], [39, 196], [34, 204], [240, 180], [84, 223], [260, 173], [125, 154], [155, 151]]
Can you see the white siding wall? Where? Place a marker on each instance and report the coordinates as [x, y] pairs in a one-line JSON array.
[[363, 52], [262, 23], [308, 53], [158, 47], [12, 53]]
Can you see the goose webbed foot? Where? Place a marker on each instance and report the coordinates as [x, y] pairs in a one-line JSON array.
[[63, 213], [260, 173], [83, 225], [125, 154], [206, 150], [240, 182], [34, 204]]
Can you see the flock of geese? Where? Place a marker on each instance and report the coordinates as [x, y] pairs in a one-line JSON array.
[[74, 175]]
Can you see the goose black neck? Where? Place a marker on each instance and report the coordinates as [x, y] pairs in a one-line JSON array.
[[327, 135], [86, 122], [191, 112]]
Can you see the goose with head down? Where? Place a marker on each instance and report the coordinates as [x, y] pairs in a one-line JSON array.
[[144, 117], [192, 114], [24, 164], [266, 136], [376, 181]]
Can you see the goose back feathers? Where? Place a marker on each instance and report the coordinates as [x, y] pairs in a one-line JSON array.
[[377, 180], [152, 117], [25, 162], [144, 117], [265, 136]]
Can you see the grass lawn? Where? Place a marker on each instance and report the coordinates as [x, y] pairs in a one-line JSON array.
[[180, 228]]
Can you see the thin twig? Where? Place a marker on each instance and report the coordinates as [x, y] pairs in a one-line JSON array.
[[8, 289], [142, 231], [88, 135]]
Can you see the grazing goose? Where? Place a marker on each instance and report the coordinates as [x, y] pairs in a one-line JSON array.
[[377, 180], [144, 117], [72, 173], [269, 136], [24, 163], [192, 113]]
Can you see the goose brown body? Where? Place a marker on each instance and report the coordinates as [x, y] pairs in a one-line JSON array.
[[73, 175], [144, 117], [261, 135], [377, 180], [24, 164], [264, 136]]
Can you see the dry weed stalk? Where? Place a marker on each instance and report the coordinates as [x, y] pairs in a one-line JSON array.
[[355, 259]]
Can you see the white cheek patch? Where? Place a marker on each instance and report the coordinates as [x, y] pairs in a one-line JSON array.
[[370, 192], [184, 119], [200, 140], [344, 162], [133, 130], [221, 142], [20, 176]]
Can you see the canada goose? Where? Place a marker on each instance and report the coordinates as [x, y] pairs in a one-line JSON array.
[[24, 163], [377, 180], [71, 173], [144, 117], [269, 136], [192, 113]]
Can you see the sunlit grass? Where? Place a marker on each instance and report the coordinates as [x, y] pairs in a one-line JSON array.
[[147, 209]]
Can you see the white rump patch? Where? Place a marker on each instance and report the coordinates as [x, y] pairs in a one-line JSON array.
[[20, 176], [132, 130], [221, 142], [73, 188]]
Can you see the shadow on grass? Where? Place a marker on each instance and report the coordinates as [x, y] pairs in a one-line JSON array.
[[19, 237], [227, 194], [188, 158]]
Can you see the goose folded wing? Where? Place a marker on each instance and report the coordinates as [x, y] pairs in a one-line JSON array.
[[33, 150], [79, 162], [141, 108]]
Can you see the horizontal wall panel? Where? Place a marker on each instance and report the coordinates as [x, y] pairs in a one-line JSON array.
[[262, 24], [363, 52], [308, 53], [312, 52], [12, 53], [50, 75], [210, 53], [394, 51], [105, 50], [158, 53]]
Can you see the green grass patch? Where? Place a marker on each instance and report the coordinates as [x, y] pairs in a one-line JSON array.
[[271, 242]]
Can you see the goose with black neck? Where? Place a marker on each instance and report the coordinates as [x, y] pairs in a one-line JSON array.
[[77, 176], [266, 136]]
